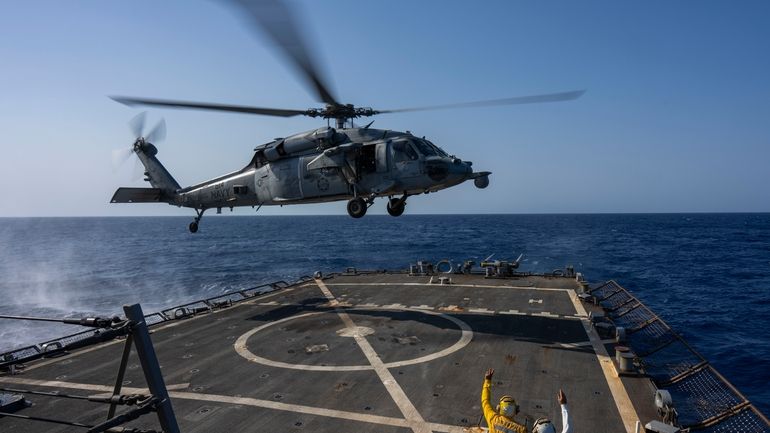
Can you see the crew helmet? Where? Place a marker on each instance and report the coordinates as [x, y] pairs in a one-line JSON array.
[[508, 406], [543, 425]]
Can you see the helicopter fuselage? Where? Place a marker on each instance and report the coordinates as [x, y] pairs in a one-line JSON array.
[[321, 165], [325, 165]]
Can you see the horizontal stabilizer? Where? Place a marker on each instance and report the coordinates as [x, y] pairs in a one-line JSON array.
[[136, 195]]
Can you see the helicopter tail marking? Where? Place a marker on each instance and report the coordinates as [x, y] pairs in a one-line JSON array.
[[136, 195]]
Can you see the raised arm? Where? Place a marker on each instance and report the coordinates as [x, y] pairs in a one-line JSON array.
[[562, 398], [486, 405]]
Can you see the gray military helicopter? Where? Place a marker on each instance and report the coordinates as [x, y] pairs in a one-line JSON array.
[[344, 162]]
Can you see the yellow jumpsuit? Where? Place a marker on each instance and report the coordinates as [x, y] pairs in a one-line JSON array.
[[498, 423]]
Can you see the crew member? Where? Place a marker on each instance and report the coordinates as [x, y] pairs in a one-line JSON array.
[[544, 425], [500, 420]]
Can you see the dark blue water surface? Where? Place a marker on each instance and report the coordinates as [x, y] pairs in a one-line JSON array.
[[707, 275]]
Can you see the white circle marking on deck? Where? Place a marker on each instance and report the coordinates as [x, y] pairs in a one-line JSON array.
[[240, 346]]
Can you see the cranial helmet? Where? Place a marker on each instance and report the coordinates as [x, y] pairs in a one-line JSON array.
[[543, 425], [508, 406]]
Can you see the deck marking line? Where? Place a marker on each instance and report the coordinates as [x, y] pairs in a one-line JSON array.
[[586, 343], [480, 311], [246, 401], [511, 312], [545, 313], [619, 394], [242, 349], [392, 306], [413, 417]]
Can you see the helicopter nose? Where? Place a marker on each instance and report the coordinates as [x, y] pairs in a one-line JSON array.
[[459, 170], [461, 167]]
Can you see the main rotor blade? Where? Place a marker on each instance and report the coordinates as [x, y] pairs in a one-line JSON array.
[[276, 19], [206, 106], [532, 99]]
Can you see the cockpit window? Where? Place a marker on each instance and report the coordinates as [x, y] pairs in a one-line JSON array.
[[424, 147], [438, 149], [403, 151]]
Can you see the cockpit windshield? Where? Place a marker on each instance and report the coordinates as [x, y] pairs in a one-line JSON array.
[[424, 148], [439, 150]]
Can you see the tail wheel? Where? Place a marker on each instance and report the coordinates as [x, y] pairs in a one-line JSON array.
[[193, 227], [396, 207], [357, 207]]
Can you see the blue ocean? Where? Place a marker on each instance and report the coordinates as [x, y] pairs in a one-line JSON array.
[[707, 275]]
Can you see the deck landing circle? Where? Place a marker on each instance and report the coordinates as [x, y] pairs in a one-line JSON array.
[[241, 348]]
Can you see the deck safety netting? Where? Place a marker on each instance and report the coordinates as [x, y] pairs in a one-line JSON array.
[[651, 338], [670, 361], [746, 421], [20, 354], [702, 395], [227, 298], [633, 319], [74, 338], [605, 292], [704, 400], [624, 308], [615, 300], [154, 318]]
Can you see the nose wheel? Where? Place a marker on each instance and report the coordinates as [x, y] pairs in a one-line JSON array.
[[193, 227], [396, 206], [357, 207]]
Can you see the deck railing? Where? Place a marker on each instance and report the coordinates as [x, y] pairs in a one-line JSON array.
[[704, 399], [59, 345]]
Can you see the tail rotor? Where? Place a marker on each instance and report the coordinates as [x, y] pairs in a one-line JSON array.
[[143, 141]]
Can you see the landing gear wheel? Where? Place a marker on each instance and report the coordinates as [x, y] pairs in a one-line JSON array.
[[357, 207], [396, 207], [193, 227]]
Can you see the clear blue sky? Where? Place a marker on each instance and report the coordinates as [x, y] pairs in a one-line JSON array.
[[675, 118]]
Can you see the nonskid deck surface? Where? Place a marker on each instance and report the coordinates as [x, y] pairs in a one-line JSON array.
[[371, 352]]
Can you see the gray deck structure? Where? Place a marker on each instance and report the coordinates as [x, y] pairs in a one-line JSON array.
[[358, 352]]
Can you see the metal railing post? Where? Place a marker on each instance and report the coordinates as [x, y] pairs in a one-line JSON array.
[[151, 368]]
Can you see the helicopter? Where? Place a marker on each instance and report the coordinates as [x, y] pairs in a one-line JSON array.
[[345, 162]]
